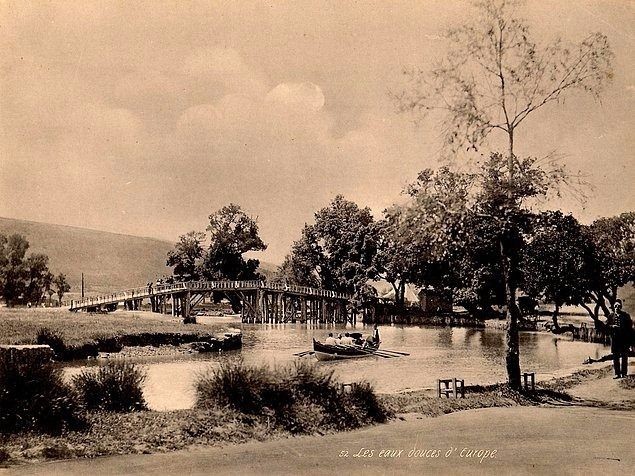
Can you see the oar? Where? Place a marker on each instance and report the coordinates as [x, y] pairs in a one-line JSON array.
[[303, 353], [394, 352], [365, 351]]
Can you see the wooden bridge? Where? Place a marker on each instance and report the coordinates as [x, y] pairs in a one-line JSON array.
[[261, 302]]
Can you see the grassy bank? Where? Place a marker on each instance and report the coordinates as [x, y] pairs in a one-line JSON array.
[[235, 403], [228, 420], [82, 335]]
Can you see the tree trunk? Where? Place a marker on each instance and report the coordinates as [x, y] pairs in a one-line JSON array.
[[512, 356], [554, 318], [402, 294]]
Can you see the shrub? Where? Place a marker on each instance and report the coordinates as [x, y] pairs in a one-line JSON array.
[[34, 396], [54, 340], [628, 383], [57, 451], [234, 384], [4, 455], [364, 401], [299, 398], [115, 387]]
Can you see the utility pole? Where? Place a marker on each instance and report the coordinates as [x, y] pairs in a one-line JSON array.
[[82, 285]]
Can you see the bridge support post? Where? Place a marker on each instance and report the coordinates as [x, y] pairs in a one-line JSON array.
[[187, 309], [325, 311]]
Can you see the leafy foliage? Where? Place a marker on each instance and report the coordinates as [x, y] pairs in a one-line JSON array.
[[612, 261], [34, 397], [231, 233], [556, 259], [337, 251], [115, 387], [61, 286], [300, 398], [185, 256], [22, 277]]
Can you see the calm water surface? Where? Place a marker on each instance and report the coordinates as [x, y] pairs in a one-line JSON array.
[[478, 356]]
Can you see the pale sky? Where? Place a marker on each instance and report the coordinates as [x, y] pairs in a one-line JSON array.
[[145, 117]]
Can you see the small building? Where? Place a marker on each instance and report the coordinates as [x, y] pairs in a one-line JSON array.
[[434, 301]]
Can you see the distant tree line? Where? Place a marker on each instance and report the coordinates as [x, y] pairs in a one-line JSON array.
[[27, 279], [447, 237]]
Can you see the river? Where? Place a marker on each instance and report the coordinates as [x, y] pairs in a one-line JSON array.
[[476, 355]]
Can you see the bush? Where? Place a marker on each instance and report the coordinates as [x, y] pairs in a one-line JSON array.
[[34, 397], [4, 456], [300, 398], [115, 387], [234, 384], [54, 340]]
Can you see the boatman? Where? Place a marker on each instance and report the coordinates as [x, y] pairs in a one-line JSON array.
[[376, 339]]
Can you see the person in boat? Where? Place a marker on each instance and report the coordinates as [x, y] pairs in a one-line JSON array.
[[330, 340], [373, 340], [346, 340]]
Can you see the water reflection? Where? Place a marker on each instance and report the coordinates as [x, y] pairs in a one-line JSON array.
[[478, 356]]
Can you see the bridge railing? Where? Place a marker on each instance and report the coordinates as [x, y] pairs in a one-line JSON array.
[[128, 294], [159, 289]]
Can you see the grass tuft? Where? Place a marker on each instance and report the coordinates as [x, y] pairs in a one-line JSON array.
[[299, 398], [628, 383], [115, 387], [34, 397]]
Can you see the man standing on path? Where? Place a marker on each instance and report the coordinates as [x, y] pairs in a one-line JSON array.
[[620, 325]]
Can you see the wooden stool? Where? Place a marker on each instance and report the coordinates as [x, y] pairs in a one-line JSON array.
[[529, 381], [444, 388]]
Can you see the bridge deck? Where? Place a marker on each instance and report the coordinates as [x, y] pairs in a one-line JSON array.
[[200, 287]]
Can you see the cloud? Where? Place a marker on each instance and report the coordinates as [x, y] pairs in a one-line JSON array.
[[297, 96], [225, 69], [195, 105]]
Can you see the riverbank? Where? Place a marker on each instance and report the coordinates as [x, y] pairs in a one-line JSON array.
[[158, 432], [82, 335]]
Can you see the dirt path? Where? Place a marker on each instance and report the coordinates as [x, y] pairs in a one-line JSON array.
[[526, 440]]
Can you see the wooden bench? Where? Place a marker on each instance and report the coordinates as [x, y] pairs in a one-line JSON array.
[[451, 386]]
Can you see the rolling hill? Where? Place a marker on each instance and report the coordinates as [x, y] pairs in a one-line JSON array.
[[109, 261]]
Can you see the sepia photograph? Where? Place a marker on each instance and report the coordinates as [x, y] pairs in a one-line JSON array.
[[307, 237]]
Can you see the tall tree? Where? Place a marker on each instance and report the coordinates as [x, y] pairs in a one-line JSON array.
[[13, 271], [492, 78], [338, 251], [415, 235], [611, 264], [61, 286], [555, 261], [39, 278], [186, 255], [232, 233]]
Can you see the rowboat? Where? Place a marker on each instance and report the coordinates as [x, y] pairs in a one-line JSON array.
[[340, 352]]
